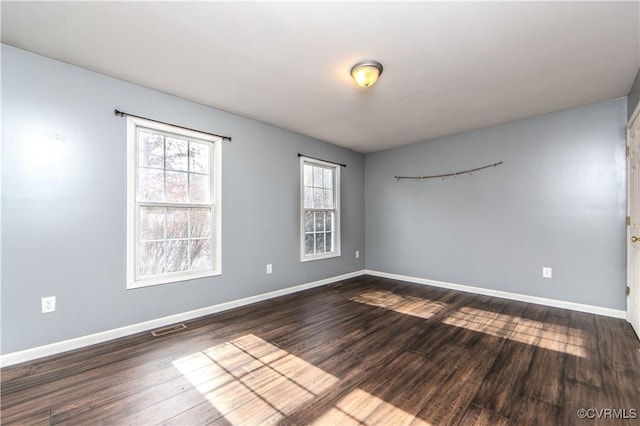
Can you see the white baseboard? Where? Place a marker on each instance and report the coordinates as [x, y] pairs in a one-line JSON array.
[[92, 339], [615, 313]]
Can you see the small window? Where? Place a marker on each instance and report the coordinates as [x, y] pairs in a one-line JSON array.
[[173, 194], [320, 210]]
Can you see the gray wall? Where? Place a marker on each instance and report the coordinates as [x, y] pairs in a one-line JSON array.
[[558, 200], [634, 96], [63, 223]]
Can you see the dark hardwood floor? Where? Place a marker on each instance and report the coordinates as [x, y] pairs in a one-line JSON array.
[[362, 351]]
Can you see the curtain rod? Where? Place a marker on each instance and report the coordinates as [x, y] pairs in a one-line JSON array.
[[126, 114], [320, 159]]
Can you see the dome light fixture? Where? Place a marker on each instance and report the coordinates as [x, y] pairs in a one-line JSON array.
[[366, 73]]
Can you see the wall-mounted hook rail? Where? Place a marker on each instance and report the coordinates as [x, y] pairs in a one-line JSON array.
[[445, 175]]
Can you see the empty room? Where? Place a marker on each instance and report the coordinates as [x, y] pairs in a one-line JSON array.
[[328, 213]]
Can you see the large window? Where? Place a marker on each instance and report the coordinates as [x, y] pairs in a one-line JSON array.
[[173, 193], [320, 211]]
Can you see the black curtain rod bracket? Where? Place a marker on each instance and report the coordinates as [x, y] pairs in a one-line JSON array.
[[320, 159], [126, 114]]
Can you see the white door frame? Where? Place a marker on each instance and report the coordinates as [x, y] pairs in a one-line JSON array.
[[633, 198]]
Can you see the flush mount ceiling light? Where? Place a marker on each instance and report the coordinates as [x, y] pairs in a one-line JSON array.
[[366, 73]]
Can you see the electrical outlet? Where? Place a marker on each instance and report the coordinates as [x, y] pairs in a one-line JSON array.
[[48, 304], [357, 254], [269, 268], [547, 272]]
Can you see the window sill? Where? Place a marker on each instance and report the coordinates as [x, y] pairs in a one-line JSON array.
[[313, 257], [169, 279]]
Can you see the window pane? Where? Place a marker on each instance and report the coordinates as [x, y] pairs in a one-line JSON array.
[[319, 221], [151, 258], [177, 223], [151, 223], [308, 198], [308, 175], [150, 150], [176, 154], [177, 187], [328, 241], [177, 256], [200, 223], [317, 198], [317, 177], [200, 254], [319, 243], [328, 198], [308, 244], [328, 223], [200, 188], [308, 221], [328, 178], [150, 184], [199, 157]]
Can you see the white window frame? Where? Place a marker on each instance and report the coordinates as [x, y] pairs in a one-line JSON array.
[[133, 206], [336, 203]]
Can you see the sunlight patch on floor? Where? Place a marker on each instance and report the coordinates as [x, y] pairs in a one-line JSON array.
[[409, 305], [542, 334], [251, 381], [361, 408]]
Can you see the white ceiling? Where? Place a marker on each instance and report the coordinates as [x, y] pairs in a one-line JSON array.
[[449, 67]]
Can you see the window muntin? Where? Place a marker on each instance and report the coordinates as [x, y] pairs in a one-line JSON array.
[[173, 203], [320, 215]]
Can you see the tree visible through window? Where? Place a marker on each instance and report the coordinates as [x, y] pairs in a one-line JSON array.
[[320, 215], [173, 198]]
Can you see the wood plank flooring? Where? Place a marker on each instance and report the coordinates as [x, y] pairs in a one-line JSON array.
[[366, 350]]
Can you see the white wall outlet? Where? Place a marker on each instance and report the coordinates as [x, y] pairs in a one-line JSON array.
[[357, 254], [547, 272], [269, 268], [48, 304]]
